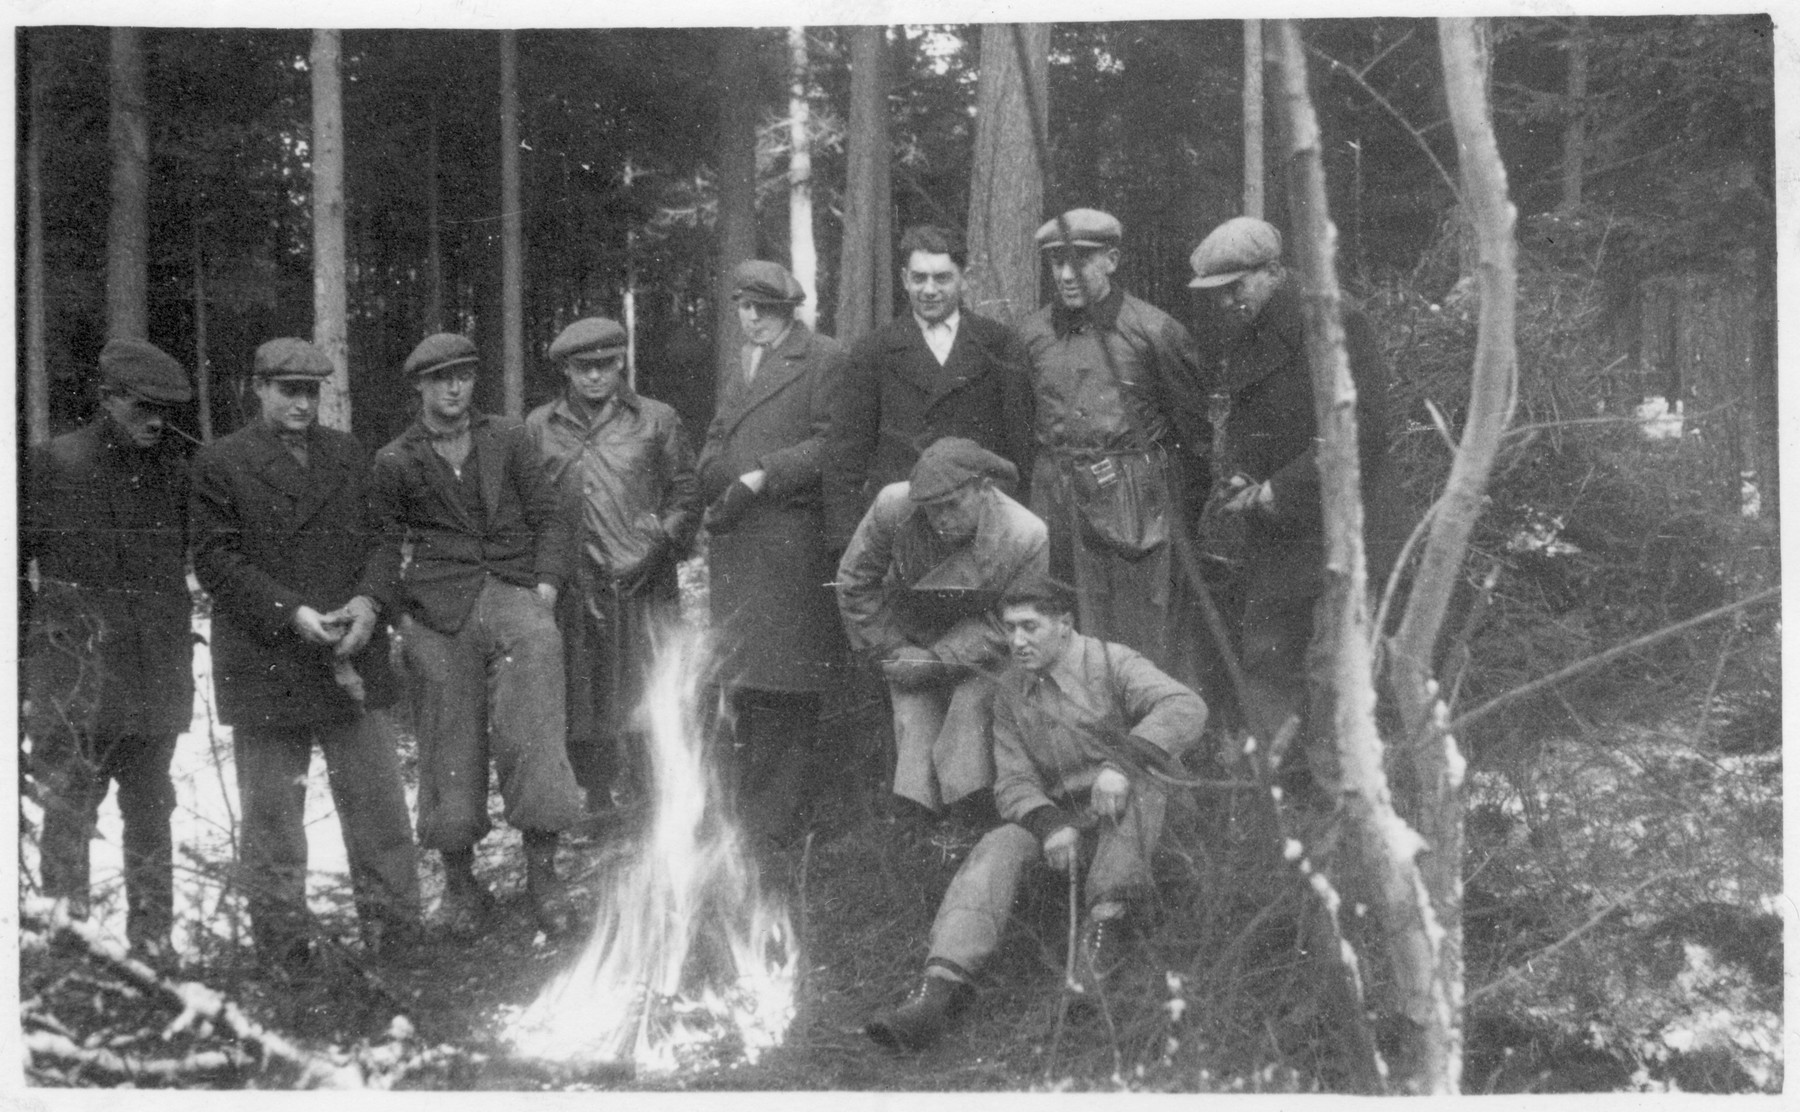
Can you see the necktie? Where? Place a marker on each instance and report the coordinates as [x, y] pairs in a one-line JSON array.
[[752, 359]]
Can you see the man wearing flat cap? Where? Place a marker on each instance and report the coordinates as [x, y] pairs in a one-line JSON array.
[[476, 609], [280, 513], [770, 566], [623, 466], [939, 371], [108, 653], [917, 588], [1121, 431], [1267, 477]]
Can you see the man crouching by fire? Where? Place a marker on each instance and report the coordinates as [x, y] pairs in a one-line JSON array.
[[1077, 724]]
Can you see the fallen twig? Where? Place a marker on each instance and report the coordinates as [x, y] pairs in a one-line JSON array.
[[1593, 921], [48, 1044]]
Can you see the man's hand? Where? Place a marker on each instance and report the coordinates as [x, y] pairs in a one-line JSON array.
[[726, 510], [314, 628], [910, 666], [1249, 495], [1110, 791], [357, 619], [546, 592], [1060, 848]]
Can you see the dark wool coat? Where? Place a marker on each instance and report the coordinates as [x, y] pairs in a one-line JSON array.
[[271, 536], [106, 522], [1270, 430], [773, 606], [895, 401], [525, 538]]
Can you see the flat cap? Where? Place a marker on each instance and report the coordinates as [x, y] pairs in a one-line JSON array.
[[145, 371], [440, 351], [765, 283], [1234, 249], [953, 461], [1049, 594], [1086, 228], [589, 338], [288, 357]]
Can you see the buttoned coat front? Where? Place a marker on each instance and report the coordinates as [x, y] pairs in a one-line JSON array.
[[771, 574], [270, 536], [895, 401]]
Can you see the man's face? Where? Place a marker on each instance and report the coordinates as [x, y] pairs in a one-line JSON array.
[[1038, 640], [1083, 275], [956, 515], [448, 393], [763, 323], [142, 421], [289, 404], [1242, 301], [595, 381], [934, 285]]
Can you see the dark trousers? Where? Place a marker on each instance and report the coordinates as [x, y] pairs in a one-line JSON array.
[[364, 774], [774, 765], [75, 776], [1277, 643]]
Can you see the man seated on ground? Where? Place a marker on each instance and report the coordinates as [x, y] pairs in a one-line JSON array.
[[1078, 723], [917, 588]]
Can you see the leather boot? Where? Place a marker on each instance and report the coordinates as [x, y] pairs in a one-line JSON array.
[[1104, 945], [541, 883], [924, 1017], [467, 902]]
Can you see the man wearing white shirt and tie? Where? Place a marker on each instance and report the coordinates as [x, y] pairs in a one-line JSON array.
[[938, 371]]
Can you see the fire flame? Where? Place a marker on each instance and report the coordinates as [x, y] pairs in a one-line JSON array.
[[689, 958]]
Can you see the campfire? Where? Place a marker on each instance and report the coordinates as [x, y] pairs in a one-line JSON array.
[[690, 962]]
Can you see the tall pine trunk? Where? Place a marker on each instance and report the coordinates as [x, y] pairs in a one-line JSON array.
[[1006, 180], [202, 362], [512, 234], [1253, 118], [37, 366], [331, 269], [803, 254], [1574, 161], [737, 180], [1380, 853], [865, 253], [434, 233], [128, 226]]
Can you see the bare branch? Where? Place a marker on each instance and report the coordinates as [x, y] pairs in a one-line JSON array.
[[1597, 918]]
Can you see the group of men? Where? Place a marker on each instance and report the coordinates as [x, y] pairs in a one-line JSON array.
[[951, 498]]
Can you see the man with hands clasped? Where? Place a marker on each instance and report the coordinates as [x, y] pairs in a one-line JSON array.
[[280, 516], [1078, 724]]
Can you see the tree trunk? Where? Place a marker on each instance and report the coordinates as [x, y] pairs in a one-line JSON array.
[[860, 263], [803, 255], [128, 227], [1006, 181], [330, 254], [1575, 131], [1382, 848], [434, 243], [737, 180], [512, 234], [1253, 118], [1436, 763], [37, 364], [202, 368]]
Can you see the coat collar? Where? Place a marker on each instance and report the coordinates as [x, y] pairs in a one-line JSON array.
[[780, 367], [563, 411], [1277, 335], [308, 487], [1101, 315], [483, 446], [911, 357]]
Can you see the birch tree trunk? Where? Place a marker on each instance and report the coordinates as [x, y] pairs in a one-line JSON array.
[[128, 225], [802, 253], [330, 255], [512, 233], [1383, 849], [37, 364], [1006, 180], [1436, 762], [737, 181], [863, 255]]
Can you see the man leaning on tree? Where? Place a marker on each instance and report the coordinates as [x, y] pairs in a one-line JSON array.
[[490, 552], [280, 514]]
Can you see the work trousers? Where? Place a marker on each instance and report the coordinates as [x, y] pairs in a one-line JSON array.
[[1277, 637], [364, 774], [775, 765], [75, 776], [942, 740], [973, 914], [491, 690], [608, 646]]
